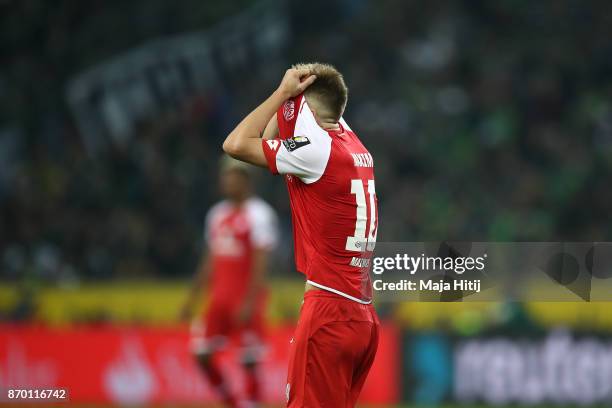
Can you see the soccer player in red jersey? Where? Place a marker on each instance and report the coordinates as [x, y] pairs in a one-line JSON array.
[[299, 132], [240, 231]]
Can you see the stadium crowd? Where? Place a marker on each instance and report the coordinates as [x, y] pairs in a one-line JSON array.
[[487, 121]]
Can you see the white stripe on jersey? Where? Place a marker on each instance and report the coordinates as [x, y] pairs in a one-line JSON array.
[[337, 292]]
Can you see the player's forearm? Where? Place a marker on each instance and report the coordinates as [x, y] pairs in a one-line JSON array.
[[258, 272], [271, 131], [244, 142], [252, 126], [198, 282]]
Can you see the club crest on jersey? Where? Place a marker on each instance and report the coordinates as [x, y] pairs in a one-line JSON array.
[[273, 144], [295, 142], [289, 110]]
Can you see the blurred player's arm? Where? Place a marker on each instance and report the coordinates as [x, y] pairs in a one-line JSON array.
[[195, 291], [244, 142], [258, 273], [264, 238]]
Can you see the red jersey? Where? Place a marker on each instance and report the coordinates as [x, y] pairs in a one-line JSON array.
[[232, 233], [330, 179]]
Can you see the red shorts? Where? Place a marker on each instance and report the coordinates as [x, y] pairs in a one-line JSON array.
[[221, 326], [331, 352]]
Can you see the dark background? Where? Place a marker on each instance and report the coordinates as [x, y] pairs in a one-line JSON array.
[[487, 121]]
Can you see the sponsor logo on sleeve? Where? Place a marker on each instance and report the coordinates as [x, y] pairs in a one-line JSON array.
[[296, 142], [273, 144]]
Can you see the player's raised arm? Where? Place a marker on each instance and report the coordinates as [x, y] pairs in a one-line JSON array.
[[271, 131], [244, 142]]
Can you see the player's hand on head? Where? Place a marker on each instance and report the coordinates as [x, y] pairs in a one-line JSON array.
[[296, 81]]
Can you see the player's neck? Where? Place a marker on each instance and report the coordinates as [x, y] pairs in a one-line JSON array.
[[239, 200], [324, 121], [329, 125]]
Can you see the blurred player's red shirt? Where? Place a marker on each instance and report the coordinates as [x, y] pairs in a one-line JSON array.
[[330, 178], [232, 233]]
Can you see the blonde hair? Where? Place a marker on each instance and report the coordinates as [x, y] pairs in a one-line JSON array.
[[328, 92]]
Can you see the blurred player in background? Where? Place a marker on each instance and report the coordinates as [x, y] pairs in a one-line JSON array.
[[240, 232], [330, 179]]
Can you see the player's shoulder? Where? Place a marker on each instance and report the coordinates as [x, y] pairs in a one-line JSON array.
[[257, 207], [353, 135], [217, 209], [346, 125], [356, 141]]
